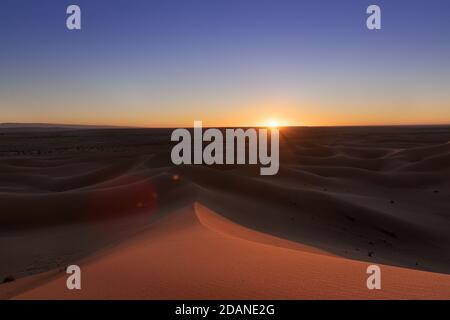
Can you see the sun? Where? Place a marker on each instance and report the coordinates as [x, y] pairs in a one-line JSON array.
[[273, 124]]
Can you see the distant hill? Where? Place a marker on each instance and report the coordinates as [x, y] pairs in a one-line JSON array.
[[44, 126]]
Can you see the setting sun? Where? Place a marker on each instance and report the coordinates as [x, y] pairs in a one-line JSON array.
[[273, 124]]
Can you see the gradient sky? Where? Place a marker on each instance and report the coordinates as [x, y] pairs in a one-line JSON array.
[[226, 62]]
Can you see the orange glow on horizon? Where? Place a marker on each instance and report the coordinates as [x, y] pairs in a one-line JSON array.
[[252, 115]]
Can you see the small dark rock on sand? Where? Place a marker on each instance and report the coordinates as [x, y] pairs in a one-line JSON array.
[[9, 278]]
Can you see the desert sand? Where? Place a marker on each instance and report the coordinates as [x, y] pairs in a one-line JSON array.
[[141, 228]]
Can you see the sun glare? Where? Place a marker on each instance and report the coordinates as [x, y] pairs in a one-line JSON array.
[[273, 124]]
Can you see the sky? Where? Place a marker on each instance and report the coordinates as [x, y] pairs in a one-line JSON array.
[[166, 63]]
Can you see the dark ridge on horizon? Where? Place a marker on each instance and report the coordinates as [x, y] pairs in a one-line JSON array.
[[58, 125], [43, 126]]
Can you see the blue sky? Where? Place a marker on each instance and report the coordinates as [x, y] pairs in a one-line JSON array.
[[227, 62]]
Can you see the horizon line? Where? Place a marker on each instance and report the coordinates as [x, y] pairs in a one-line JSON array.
[[10, 125]]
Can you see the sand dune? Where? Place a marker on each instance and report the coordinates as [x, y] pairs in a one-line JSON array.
[[110, 200], [197, 254]]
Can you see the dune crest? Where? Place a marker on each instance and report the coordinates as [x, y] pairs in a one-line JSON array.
[[218, 223]]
